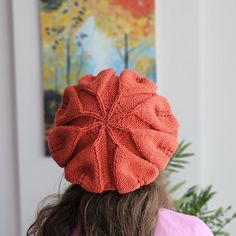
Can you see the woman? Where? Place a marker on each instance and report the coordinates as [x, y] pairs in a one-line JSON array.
[[113, 136]]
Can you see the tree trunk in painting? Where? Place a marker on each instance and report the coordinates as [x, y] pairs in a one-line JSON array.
[[68, 59], [126, 52]]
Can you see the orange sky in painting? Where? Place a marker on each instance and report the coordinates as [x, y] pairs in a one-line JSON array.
[[138, 8]]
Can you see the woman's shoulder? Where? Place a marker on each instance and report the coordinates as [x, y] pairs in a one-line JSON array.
[[172, 223]]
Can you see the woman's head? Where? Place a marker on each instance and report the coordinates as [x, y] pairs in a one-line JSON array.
[[113, 136]]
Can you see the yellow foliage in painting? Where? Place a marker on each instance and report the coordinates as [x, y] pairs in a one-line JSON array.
[[145, 64], [59, 25], [116, 21], [58, 30], [130, 24]]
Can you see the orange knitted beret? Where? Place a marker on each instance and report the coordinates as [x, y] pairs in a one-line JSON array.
[[113, 132]]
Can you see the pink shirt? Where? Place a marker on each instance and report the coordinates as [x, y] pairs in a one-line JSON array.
[[171, 223]]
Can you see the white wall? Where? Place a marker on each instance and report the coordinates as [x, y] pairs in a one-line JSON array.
[[219, 108], [197, 70], [9, 197], [196, 61], [178, 72], [39, 176]]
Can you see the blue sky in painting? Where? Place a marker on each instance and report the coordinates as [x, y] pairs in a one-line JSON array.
[[102, 52]]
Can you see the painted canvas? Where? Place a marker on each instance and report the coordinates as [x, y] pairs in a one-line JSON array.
[[85, 36]]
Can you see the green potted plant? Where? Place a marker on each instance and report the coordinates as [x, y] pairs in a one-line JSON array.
[[195, 200]]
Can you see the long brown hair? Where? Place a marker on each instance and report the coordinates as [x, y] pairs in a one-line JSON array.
[[108, 213]]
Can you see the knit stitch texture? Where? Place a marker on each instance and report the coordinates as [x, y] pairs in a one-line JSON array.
[[113, 132]]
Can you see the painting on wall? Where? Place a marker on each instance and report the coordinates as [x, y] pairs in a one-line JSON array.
[[86, 36]]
